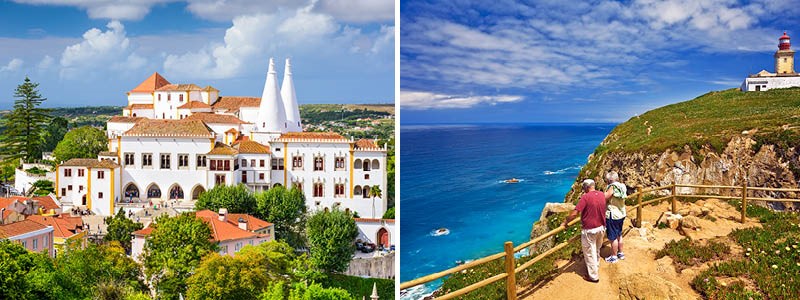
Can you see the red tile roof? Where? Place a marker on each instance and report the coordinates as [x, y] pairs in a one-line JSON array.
[[236, 102], [139, 106], [63, 226], [373, 220], [222, 149], [212, 118], [251, 147], [253, 223], [19, 228], [311, 136], [364, 144], [194, 104], [170, 128], [180, 87], [143, 232], [47, 202], [151, 84], [221, 230], [90, 163], [124, 119]]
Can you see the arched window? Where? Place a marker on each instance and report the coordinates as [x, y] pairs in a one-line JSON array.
[[365, 191], [375, 164], [197, 191], [366, 165], [175, 192], [357, 190], [131, 192], [357, 164], [154, 191]]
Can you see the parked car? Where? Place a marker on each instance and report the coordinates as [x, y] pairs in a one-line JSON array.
[[365, 247]]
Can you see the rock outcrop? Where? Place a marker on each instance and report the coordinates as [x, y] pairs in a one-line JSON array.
[[738, 163]]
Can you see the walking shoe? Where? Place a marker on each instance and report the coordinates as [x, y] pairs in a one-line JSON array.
[[612, 259], [621, 255]]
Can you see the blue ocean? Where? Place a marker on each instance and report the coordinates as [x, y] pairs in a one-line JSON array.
[[452, 176]]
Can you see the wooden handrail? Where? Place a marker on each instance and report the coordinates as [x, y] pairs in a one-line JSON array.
[[509, 250]]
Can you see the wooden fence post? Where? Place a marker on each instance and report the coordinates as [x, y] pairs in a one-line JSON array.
[[639, 208], [674, 199], [744, 202], [511, 280]]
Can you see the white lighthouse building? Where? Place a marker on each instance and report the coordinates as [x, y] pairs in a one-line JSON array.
[[176, 141], [784, 75]]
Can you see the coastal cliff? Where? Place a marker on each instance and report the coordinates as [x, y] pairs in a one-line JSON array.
[[720, 138]]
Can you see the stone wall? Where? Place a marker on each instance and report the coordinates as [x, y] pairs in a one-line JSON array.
[[373, 267]]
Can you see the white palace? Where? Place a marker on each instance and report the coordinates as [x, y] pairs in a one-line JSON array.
[[175, 141]]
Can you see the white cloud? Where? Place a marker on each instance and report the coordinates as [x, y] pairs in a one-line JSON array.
[[46, 62], [358, 11], [253, 38], [13, 65], [426, 100], [105, 9], [100, 50]]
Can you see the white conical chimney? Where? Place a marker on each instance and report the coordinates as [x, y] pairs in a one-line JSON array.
[[290, 100], [271, 114]]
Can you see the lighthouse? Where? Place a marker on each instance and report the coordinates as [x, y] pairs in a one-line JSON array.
[[784, 57]]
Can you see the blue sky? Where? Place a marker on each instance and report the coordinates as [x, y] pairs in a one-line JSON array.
[[91, 52], [563, 61]]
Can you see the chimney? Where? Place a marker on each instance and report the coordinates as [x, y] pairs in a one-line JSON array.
[[223, 214], [242, 224]]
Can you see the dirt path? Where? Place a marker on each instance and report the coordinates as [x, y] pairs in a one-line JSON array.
[[640, 275]]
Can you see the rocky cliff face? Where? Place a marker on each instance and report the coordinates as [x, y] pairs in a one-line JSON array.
[[738, 163]]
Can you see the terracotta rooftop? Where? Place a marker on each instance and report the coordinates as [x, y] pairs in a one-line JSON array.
[[194, 104], [107, 153], [170, 128], [232, 130], [222, 230], [90, 163], [373, 220], [139, 106], [63, 226], [150, 84], [210, 88], [143, 232], [212, 118], [251, 147], [236, 102], [311, 136], [180, 87], [222, 149], [124, 119], [253, 223], [363, 144], [47, 202], [18, 228]]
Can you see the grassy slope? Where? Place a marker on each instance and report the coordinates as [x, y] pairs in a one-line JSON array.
[[712, 119]]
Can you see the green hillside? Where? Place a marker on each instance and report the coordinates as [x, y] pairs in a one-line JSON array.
[[711, 119]]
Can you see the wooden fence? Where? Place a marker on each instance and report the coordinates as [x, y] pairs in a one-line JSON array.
[[508, 254]]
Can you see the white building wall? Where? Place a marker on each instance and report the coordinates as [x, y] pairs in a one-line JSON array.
[[103, 190], [140, 98], [167, 107], [249, 114], [23, 181], [768, 83], [115, 129], [144, 176], [375, 176], [72, 188], [368, 230], [253, 180]]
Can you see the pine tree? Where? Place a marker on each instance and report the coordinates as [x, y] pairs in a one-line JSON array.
[[25, 124]]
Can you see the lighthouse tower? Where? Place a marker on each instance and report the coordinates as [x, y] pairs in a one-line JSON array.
[[290, 100], [271, 113], [784, 57]]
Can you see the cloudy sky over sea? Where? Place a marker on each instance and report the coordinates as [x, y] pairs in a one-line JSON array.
[[566, 61], [90, 52]]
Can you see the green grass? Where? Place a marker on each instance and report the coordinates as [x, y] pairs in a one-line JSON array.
[[771, 262], [711, 119], [686, 253]]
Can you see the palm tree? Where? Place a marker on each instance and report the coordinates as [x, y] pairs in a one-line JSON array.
[[374, 191]]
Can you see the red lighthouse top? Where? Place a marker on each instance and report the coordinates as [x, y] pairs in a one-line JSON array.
[[783, 42]]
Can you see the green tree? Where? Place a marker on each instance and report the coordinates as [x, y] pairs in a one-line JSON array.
[[331, 236], [80, 270], [120, 229], [15, 264], [24, 125], [43, 188], [54, 132], [389, 214], [303, 291], [243, 276], [287, 210], [374, 191], [390, 164], [236, 198], [81, 142], [173, 251]]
